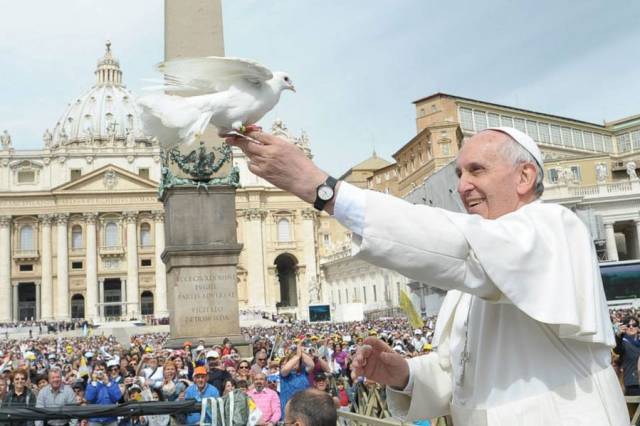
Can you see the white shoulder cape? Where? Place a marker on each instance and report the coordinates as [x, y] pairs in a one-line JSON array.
[[541, 258]]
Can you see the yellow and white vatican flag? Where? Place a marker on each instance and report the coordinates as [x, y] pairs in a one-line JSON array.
[[407, 306]]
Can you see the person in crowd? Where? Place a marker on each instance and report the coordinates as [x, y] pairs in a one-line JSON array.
[[101, 390], [152, 371], [343, 395], [229, 386], [321, 383], [267, 400], [243, 371], [171, 387], [54, 395], [418, 341], [198, 390], [218, 375], [113, 369], [183, 371], [3, 389], [293, 374], [19, 395], [628, 350], [260, 362], [311, 407], [79, 388], [523, 281], [320, 365]]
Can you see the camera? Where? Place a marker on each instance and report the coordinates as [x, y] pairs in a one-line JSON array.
[[100, 374]]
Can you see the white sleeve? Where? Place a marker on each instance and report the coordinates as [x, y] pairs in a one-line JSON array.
[[418, 241], [349, 207]]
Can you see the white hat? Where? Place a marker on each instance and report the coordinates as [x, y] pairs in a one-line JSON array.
[[213, 354], [524, 140], [88, 354], [200, 348], [112, 363], [417, 331]]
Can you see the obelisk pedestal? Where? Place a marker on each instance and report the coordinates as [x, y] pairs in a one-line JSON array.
[[201, 256]]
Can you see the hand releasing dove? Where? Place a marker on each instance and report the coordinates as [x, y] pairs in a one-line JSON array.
[[230, 93]]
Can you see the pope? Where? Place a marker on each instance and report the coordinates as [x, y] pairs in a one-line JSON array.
[[523, 336]]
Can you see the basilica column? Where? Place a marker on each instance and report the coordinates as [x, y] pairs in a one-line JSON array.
[[254, 244], [160, 299], [62, 288], [5, 268], [14, 292], [91, 313], [133, 307], [310, 285], [612, 249], [46, 291]]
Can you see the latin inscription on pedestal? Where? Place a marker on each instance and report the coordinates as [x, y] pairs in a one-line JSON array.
[[206, 301]]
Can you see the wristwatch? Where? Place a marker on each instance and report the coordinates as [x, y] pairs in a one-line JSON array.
[[325, 192]]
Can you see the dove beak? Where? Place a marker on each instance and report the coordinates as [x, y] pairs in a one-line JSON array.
[[293, 89]]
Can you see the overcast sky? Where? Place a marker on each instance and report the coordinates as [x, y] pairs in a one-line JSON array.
[[357, 65]]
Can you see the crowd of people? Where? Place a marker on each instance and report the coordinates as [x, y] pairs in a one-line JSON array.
[[51, 370]]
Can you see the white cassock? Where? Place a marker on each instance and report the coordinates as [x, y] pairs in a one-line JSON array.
[[526, 305]]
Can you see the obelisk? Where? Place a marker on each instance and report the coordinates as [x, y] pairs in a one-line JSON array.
[[201, 247]]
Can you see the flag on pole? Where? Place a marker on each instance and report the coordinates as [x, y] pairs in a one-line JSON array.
[[410, 311]]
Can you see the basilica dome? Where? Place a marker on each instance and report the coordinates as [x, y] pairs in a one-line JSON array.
[[107, 114]]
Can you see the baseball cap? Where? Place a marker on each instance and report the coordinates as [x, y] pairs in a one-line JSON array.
[[200, 348], [417, 331], [213, 354], [200, 371], [112, 363]]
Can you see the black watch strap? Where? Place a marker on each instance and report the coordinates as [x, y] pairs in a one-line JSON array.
[[319, 203]]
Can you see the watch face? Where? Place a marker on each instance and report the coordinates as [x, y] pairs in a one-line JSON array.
[[325, 193]]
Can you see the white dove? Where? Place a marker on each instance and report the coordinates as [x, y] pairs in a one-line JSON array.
[[230, 93]]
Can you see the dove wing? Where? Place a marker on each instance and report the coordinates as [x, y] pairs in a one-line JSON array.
[[210, 74]]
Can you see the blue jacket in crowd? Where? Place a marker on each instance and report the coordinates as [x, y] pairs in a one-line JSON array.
[[101, 394]]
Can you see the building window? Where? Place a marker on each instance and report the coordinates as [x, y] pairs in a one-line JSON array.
[[145, 262], [566, 137], [518, 123], [284, 232], [76, 174], [466, 118], [480, 120], [575, 170], [111, 235], [553, 175], [588, 141], [144, 173], [506, 120], [26, 268], [326, 239], [577, 138], [26, 176], [635, 139], [76, 265], [532, 130], [145, 234], [76, 237], [494, 120], [146, 303], [26, 238], [556, 135]]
